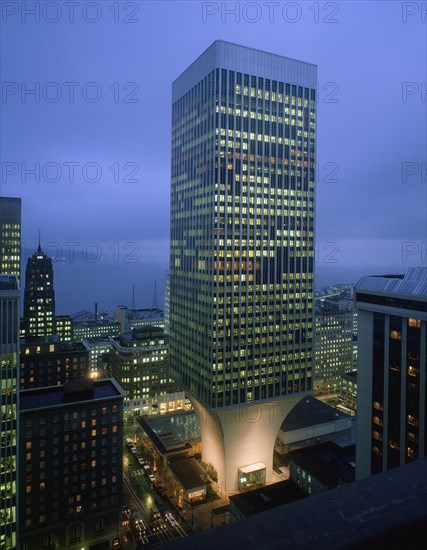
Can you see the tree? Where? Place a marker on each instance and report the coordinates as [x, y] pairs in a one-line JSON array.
[[210, 470]]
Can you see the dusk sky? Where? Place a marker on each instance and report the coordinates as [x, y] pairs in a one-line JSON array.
[[370, 123]]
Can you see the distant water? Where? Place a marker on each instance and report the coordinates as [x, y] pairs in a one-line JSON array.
[[78, 285]]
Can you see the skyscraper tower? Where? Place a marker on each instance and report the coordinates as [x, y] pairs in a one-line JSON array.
[[9, 362], [10, 236], [242, 249], [39, 297]]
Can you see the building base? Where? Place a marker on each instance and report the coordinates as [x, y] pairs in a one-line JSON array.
[[241, 438]]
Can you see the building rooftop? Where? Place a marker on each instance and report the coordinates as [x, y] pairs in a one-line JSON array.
[[189, 474], [147, 314], [270, 496], [388, 510], [9, 282], [327, 462], [144, 333], [45, 347], [93, 323], [310, 412], [73, 392], [93, 340], [414, 283], [252, 61], [172, 432]]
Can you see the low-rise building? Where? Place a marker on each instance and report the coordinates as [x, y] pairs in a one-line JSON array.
[[138, 318], [243, 505], [312, 419], [189, 481], [173, 435], [322, 467], [95, 329]]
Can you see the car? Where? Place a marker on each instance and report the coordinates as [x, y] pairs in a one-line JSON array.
[[171, 519], [147, 467], [126, 511], [158, 500], [151, 478], [134, 449], [141, 461], [139, 522]]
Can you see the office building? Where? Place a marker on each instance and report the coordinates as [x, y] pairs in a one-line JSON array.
[[10, 236], [391, 368], [39, 297], [334, 344], [70, 470], [242, 247], [98, 347], [9, 361], [64, 328], [138, 360], [52, 363]]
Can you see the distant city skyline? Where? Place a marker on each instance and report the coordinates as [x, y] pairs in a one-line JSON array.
[[369, 202], [110, 284]]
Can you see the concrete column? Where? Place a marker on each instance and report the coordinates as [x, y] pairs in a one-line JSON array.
[[242, 435]]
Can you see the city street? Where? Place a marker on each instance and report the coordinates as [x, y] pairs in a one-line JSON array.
[[148, 519]]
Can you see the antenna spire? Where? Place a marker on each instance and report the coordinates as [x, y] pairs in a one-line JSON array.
[[155, 305], [133, 297], [39, 249]]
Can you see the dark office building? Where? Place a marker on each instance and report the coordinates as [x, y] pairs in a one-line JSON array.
[[39, 297], [322, 467], [70, 469], [391, 405], [52, 363]]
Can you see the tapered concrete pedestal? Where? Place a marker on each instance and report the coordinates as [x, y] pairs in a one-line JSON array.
[[239, 436]]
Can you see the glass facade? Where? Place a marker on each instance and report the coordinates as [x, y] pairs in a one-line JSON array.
[[334, 349], [10, 236], [138, 360], [242, 222]]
